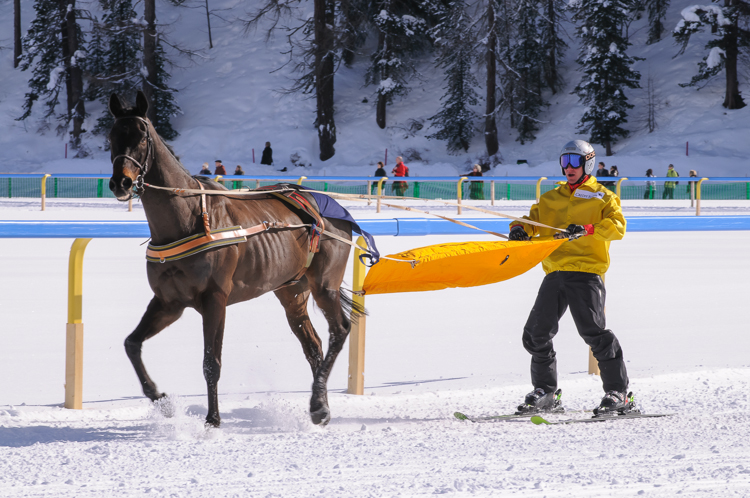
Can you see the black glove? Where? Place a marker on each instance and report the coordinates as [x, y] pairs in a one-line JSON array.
[[575, 231], [518, 233]]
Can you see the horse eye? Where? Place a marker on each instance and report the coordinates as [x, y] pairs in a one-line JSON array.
[[143, 140]]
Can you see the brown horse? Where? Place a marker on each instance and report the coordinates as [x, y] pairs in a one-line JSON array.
[[212, 280]]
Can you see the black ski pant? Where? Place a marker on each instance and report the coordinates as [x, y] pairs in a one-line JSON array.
[[585, 295]]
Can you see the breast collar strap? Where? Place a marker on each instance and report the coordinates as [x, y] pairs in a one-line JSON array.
[[144, 167]]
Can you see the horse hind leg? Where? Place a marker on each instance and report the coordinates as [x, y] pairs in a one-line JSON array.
[[329, 301], [157, 317], [294, 300]]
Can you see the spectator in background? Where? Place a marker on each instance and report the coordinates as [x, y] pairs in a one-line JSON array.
[[219, 170], [379, 173], [602, 172], [267, 157], [239, 171], [691, 185], [476, 189], [205, 170], [400, 171], [669, 186], [650, 186], [613, 171]]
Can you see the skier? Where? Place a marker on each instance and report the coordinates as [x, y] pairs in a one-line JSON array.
[[573, 279]]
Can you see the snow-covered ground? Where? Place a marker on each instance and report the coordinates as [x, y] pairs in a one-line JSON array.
[[675, 301]]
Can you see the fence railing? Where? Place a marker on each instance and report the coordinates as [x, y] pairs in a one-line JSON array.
[[485, 188]]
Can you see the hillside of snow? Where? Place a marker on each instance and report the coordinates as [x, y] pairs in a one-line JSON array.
[[232, 104]]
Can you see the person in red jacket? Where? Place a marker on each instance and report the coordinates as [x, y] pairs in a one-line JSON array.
[[400, 171]]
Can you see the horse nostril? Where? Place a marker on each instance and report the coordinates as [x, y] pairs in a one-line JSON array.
[[126, 183], [112, 185]]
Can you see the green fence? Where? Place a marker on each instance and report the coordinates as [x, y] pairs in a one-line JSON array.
[[66, 187]]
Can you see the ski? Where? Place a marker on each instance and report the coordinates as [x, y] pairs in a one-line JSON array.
[[537, 420], [491, 418]]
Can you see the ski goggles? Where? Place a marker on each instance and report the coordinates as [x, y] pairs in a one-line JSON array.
[[572, 160]]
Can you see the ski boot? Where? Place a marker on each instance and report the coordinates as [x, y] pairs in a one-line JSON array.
[[616, 403], [538, 401]]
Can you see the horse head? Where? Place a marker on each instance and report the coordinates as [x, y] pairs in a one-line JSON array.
[[131, 145]]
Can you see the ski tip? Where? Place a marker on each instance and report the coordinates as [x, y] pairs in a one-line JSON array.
[[460, 416], [537, 420]]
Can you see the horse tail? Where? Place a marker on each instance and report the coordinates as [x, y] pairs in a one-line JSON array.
[[349, 307]]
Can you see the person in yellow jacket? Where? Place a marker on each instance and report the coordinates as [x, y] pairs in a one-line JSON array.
[[593, 217]]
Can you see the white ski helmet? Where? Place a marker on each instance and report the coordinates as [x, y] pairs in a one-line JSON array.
[[583, 149]]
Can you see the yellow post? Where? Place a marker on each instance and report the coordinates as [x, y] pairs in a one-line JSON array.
[[539, 188], [380, 191], [218, 177], [369, 192], [458, 192], [74, 328], [356, 381], [257, 183], [618, 189], [492, 193], [44, 190], [130, 205], [698, 197], [299, 182]]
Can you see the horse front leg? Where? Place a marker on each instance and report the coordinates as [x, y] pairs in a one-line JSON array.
[[328, 300], [214, 310], [158, 316]]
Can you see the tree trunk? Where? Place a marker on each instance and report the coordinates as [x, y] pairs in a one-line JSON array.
[[208, 19], [324, 70], [732, 99], [16, 32], [490, 126], [551, 50], [73, 75], [608, 147], [149, 57], [382, 99]]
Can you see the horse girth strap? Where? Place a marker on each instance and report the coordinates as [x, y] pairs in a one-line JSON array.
[[216, 238]]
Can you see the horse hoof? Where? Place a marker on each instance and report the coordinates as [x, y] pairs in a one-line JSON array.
[[321, 416], [212, 423], [165, 406]]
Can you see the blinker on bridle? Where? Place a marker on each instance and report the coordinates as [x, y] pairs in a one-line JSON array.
[[138, 183]]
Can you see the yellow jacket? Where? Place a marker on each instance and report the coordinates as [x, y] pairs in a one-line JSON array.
[[590, 204]]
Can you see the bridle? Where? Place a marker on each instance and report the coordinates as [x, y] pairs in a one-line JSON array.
[[143, 167]]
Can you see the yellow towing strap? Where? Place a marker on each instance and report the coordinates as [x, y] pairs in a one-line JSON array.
[[461, 264]]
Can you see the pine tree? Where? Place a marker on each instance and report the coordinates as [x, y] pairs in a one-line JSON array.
[[116, 68], [455, 121], [529, 63], [657, 12], [53, 48], [729, 24], [164, 99], [607, 70], [42, 53], [401, 31], [553, 46]]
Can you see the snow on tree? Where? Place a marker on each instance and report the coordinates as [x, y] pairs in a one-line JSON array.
[[607, 69], [455, 121], [731, 38]]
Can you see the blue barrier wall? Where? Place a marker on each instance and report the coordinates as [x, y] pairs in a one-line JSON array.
[[393, 226]]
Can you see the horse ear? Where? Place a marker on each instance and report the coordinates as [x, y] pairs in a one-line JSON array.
[[141, 103], [115, 106]]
